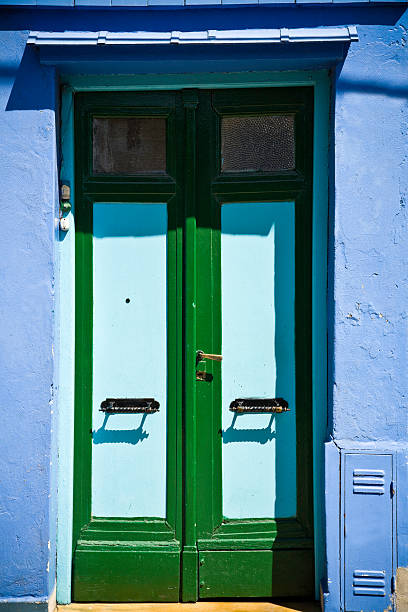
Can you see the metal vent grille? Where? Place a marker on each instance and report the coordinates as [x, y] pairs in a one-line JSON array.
[[370, 482], [369, 582]]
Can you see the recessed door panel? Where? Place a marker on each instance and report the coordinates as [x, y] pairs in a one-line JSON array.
[[258, 347], [129, 358]]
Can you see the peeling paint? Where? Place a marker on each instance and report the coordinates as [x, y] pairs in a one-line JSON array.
[[402, 589]]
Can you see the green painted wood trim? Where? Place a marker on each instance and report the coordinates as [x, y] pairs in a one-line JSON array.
[[250, 528], [293, 186], [137, 530], [260, 534], [126, 575], [116, 536], [189, 581], [177, 81], [83, 364], [272, 543], [242, 573], [225, 191], [210, 326]]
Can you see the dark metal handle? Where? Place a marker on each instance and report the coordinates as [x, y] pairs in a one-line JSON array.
[[118, 405], [255, 405], [201, 356]]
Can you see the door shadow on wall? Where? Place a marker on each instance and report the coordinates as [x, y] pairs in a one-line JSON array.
[[261, 436], [119, 436]]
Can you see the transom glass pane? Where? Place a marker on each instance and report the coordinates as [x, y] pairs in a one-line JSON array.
[[129, 145], [263, 143]]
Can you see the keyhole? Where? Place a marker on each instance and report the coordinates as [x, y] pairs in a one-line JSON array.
[[127, 300]]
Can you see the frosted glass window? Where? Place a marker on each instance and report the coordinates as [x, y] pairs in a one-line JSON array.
[[129, 145], [263, 143]]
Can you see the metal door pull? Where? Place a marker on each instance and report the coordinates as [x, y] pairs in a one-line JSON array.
[[256, 405], [201, 355], [120, 405]]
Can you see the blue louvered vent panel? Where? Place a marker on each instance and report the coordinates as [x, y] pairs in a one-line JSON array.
[[368, 537], [369, 582], [368, 481]]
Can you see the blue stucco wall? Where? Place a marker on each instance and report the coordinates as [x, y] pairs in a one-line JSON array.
[[367, 292], [369, 252], [27, 178]]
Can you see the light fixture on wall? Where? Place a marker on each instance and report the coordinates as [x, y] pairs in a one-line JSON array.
[[65, 207]]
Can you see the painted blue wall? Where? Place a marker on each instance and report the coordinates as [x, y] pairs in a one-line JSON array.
[[367, 293], [27, 178], [369, 250]]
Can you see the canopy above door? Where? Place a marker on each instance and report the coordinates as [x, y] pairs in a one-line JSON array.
[[277, 35]]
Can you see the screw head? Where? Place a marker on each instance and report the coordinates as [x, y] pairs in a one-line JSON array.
[[64, 224]]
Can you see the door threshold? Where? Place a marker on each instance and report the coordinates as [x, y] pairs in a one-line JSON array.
[[202, 606]]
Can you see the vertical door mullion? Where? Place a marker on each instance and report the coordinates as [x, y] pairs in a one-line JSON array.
[[189, 576], [83, 365]]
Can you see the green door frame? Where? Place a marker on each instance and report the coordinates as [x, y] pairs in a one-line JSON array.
[[320, 82]]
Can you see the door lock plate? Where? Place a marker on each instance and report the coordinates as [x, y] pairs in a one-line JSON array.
[[204, 376]]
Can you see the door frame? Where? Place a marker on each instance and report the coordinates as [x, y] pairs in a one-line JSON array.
[[65, 315]]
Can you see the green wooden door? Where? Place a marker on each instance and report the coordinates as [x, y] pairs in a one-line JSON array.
[[193, 232]]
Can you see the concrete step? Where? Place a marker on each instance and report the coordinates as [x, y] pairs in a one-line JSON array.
[[202, 606]]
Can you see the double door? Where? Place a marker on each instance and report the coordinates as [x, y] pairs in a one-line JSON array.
[[193, 426]]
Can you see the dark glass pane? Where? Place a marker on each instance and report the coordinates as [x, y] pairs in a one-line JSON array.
[[129, 145], [264, 143]]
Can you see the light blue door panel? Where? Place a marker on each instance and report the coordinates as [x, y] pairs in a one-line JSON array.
[[368, 528], [258, 347], [129, 358]]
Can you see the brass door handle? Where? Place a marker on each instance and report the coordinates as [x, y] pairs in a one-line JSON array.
[[201, 355]]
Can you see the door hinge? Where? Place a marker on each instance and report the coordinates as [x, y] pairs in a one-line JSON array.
[[392, 488], [392, 584]]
